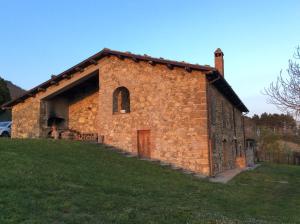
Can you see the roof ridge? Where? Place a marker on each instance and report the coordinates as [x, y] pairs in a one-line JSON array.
[[161, 59], [108, 52]]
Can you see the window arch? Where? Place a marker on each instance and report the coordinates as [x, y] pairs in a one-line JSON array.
[[121, 100]]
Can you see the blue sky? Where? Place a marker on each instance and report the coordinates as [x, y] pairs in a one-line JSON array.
[[40, 38]]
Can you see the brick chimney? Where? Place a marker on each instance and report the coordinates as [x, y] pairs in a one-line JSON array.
[[219, 61]]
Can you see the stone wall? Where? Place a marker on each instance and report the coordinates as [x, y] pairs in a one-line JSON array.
[[169, 103], [172, 103], [226, 132], [26, 119], [83, 114], [29, 116]]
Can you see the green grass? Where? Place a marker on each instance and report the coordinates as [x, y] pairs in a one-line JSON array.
[[44, 181]]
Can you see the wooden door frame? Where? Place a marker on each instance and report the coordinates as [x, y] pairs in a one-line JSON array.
[[138, 143]]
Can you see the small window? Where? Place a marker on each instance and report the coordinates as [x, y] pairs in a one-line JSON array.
[[121, 100]]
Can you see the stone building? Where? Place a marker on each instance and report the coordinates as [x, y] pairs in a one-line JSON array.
[[181, 113]]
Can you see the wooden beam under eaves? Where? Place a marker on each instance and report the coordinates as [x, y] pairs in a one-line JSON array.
[[170, 66], [94, 62], [214, 80], [40, 89], [79, 69], [188, 69], [135, 59], [151, 62], [54, 82], [121, 57], [66, 76]]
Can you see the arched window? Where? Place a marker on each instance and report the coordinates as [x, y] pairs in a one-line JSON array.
[[121, 100]]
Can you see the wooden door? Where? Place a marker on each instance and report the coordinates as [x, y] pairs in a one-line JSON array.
[[144, 147]]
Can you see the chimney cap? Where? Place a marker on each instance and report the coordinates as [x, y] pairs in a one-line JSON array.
[[219, 51]]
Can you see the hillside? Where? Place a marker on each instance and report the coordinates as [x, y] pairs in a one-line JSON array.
[[15, 91], [45, 181]]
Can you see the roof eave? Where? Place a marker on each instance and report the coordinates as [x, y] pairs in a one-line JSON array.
[[96, 57], [222, 85]]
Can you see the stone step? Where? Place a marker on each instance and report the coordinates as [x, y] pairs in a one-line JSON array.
[[159, 162]]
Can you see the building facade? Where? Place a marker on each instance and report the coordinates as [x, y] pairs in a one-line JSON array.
[[176, 112]]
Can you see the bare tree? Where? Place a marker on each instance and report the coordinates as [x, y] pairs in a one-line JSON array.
[[285, 92]]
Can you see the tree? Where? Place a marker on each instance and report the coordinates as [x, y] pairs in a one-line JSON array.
[[5, 115], [275, 120], [4, 92], [268, 141], [285, 92]]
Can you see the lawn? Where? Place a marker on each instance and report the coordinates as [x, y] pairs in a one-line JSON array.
[[45, 181]]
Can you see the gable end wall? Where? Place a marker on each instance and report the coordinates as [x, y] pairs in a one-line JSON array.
[[169, 103]]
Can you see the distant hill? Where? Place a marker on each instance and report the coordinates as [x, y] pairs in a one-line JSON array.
[[15, 91]]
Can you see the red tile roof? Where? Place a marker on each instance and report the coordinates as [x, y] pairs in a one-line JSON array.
[[211, 72]]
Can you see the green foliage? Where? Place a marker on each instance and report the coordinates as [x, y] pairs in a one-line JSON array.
[[45, 181], [268, 140], [291, 138], [286, 149], [275, 128], [4, 92], [4, 97], [5, 115], [275, 120]]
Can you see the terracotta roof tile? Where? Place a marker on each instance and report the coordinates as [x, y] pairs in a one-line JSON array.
[[107, 52]]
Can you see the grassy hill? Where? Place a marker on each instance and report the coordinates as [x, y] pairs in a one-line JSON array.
[[44, 181]]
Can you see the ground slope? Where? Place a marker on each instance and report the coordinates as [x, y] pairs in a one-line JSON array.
[[43, 181]]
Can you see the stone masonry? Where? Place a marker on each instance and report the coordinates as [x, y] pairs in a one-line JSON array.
[[83, 115], [192, 124], [171, 104], [226, 132]]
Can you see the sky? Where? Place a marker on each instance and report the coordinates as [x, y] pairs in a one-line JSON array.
[[41, 38]]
